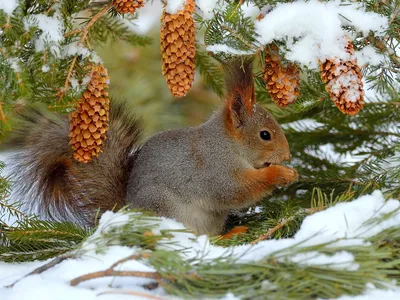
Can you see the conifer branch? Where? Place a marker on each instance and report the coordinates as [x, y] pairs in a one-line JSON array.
[[84, 32]]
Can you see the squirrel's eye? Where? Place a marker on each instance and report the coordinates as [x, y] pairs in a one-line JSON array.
[[265, 135]]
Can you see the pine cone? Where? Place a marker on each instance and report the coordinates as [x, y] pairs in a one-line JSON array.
[[89, 122], [127, 6], [282, 82], [178, 49], [343, 81]]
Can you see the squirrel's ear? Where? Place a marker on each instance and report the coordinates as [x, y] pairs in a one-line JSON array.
[[240, 96], [236, 111]]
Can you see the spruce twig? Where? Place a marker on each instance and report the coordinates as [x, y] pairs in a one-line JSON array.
[[111, 272]]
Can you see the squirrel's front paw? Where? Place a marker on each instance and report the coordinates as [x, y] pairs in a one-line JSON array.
[[281, 175]]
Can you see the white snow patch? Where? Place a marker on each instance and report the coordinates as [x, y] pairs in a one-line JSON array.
[[341, 260], [250, 10], [372, 293], [52, 28], [8, 6], [221, 48], [207, 7], [45, 68], [76, 49], [368, 55], [173, 6], [14, 64], [313, 30]]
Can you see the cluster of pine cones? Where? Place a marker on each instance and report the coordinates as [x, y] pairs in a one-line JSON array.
[[89, 121]]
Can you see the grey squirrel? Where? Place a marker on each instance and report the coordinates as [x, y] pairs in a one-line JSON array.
[[195, 175]]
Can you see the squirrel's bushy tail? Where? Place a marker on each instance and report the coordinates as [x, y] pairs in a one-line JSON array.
[[52, 184]]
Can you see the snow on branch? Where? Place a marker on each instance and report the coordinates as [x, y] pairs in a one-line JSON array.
[[314, 31]]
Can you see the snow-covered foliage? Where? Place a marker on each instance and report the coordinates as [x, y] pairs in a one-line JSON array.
[[343, 225]]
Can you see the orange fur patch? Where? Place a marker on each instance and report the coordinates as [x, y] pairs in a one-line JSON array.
[[239, 230]]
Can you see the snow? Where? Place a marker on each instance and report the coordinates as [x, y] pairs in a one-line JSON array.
[[76, 49], [313, 30], [8, 6], [369, 55], [371, 293], [52, 29], [250, 10], [221, 48], [344, 224], [173, 6], [45, 68], [207, 7], [14, 64]]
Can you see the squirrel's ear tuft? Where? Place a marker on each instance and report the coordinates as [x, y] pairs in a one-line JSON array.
[[240, 96]]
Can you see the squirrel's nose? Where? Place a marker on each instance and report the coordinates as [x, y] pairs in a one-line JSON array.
[[286, 156]]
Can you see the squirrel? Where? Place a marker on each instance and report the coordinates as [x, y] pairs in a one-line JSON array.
[[195, 175]]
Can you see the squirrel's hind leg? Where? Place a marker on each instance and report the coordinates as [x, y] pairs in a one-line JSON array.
[[165, 203]]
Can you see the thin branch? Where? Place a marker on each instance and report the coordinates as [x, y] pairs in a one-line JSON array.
[[45, 267], [110, 272], [284, 221], [272, 230], [395, 14], [113, 273]]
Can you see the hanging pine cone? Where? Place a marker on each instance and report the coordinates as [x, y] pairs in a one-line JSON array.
[[343, 81], [178, 49], [89, 122], [127, 6], [282, 82]]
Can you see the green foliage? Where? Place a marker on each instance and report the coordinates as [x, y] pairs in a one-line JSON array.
[[210, 72], [230, 27], [32, 239]]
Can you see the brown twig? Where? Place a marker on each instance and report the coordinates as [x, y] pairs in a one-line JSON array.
[[45, 267], [110, 272], [272, 230], [395, 14], [2, 115], [84, 32], [72, 32], [113, 273], [133, 293], [283, 222]]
